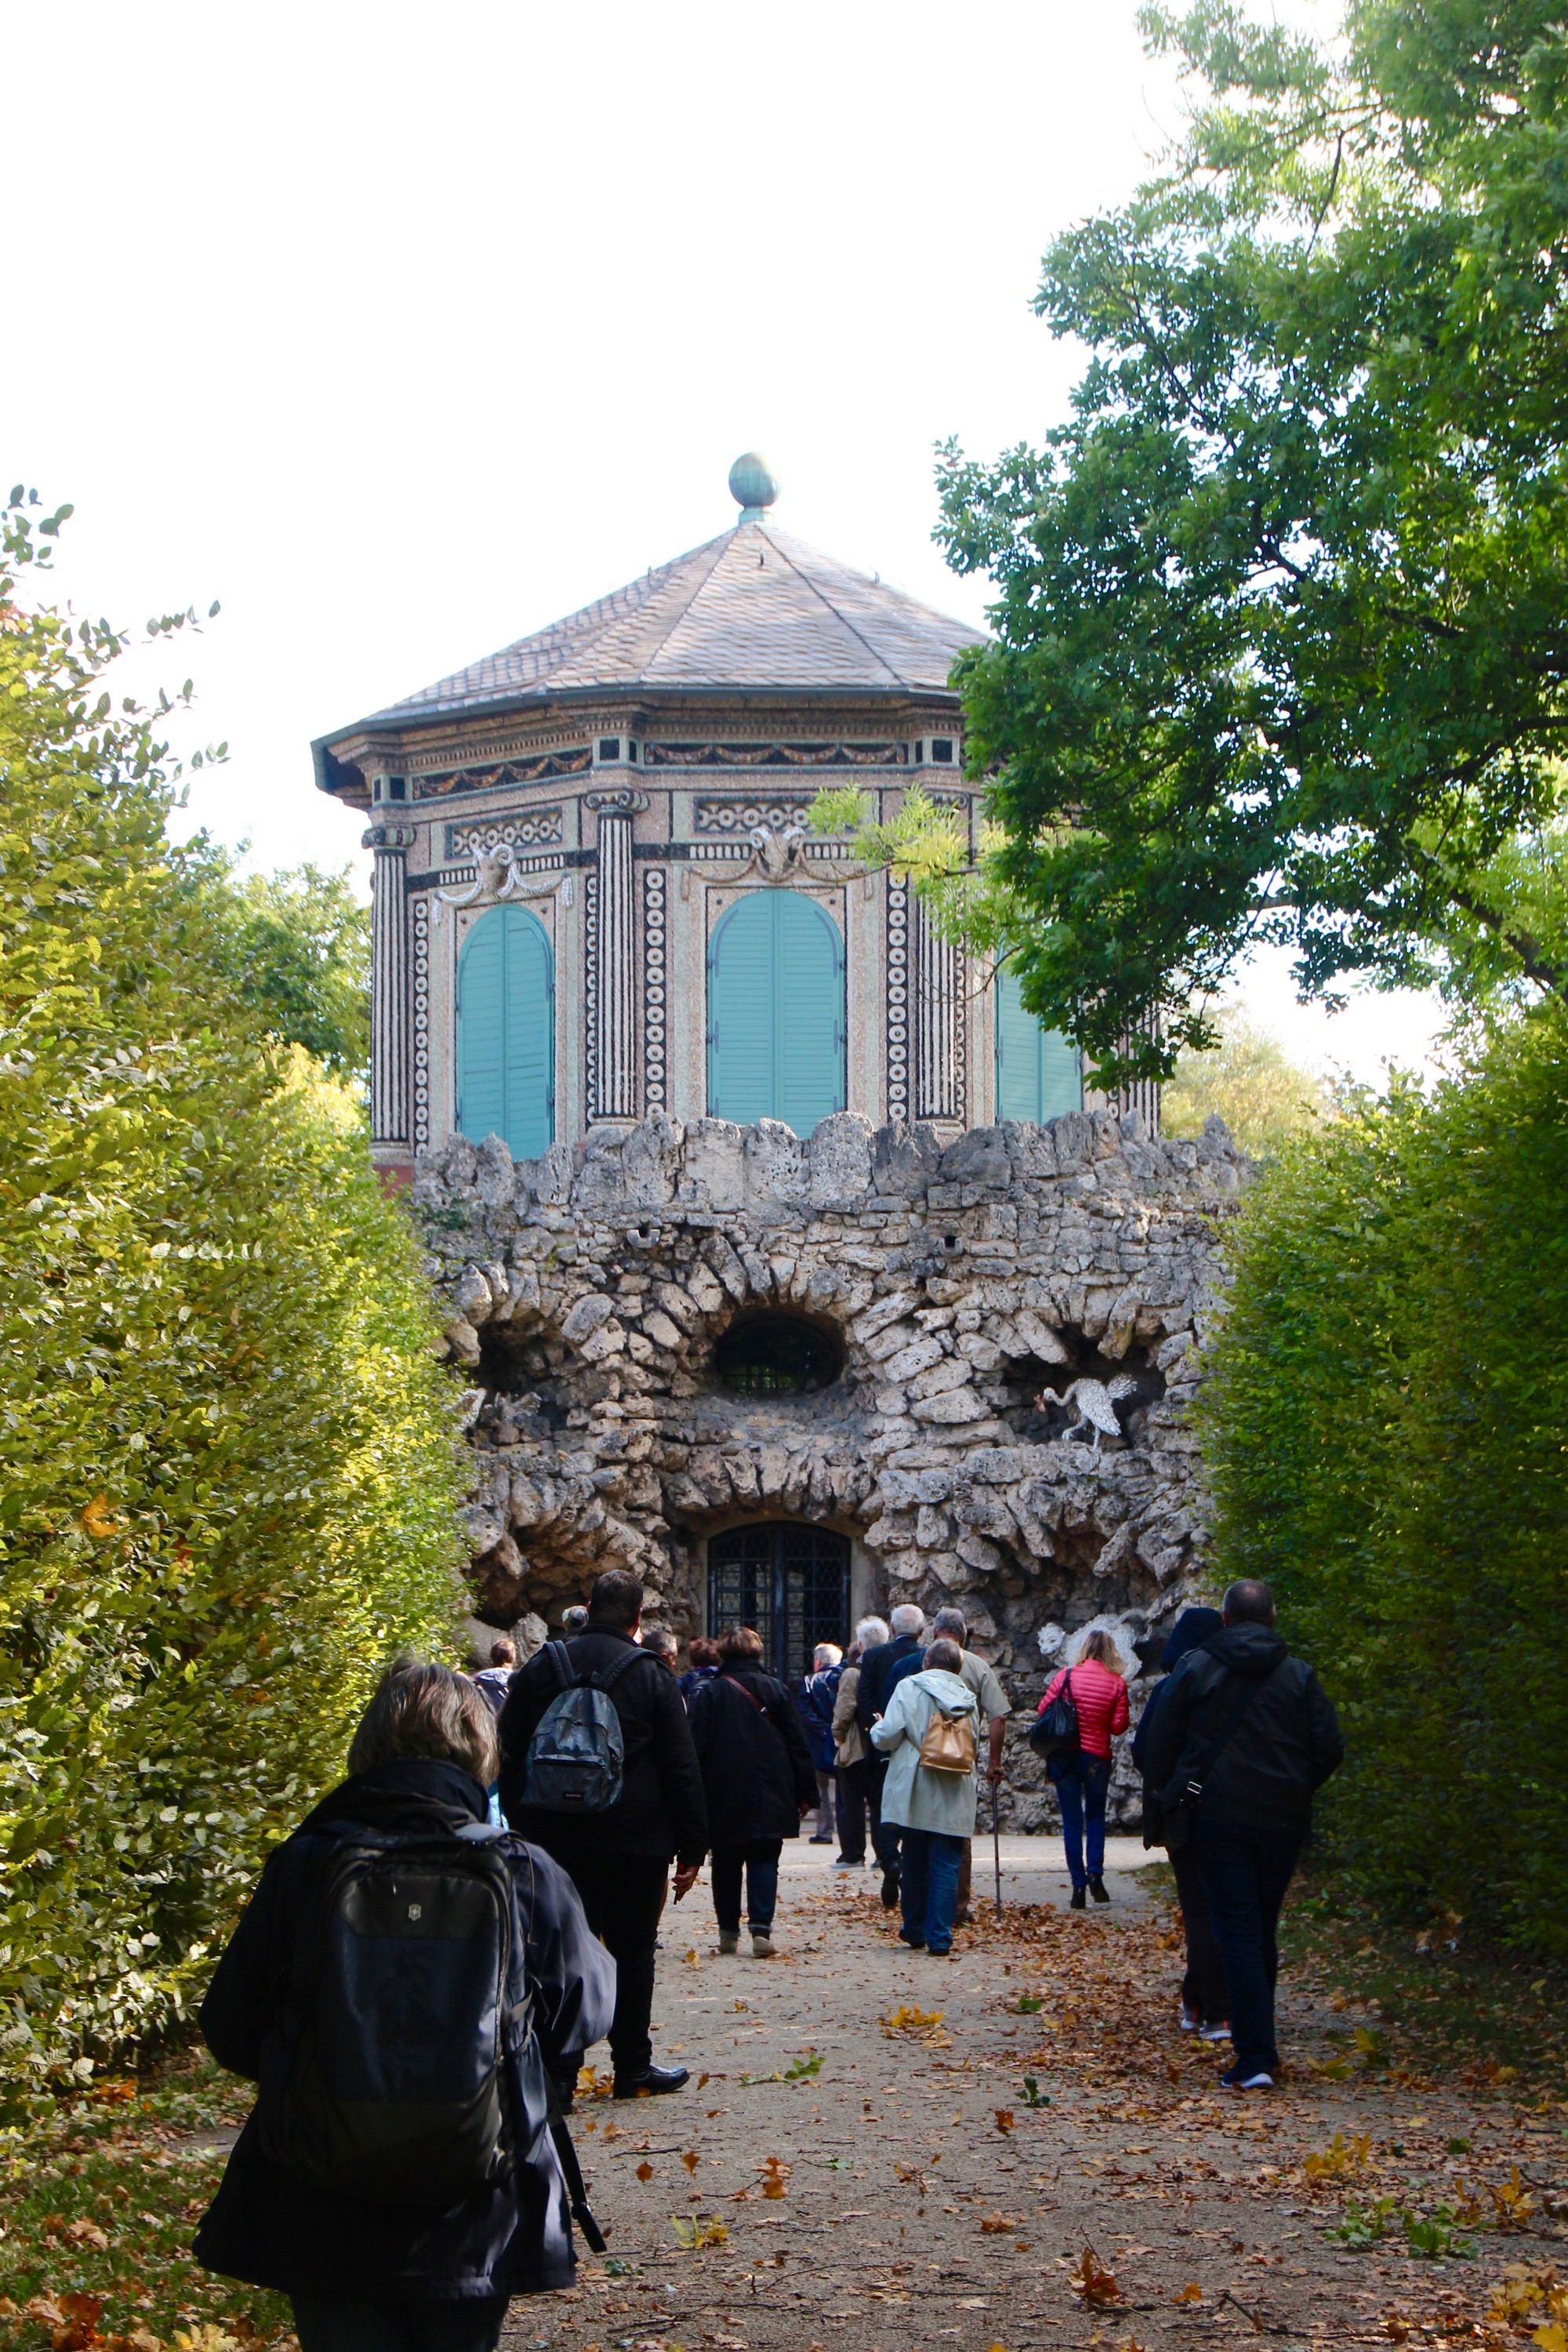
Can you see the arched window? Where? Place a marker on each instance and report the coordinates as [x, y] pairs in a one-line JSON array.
[[506, 1033], [776, 1012], [1038, 1072]]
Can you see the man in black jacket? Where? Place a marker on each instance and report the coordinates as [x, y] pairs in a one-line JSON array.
[[619, 1860], [881, 1670], [1244, 1734]]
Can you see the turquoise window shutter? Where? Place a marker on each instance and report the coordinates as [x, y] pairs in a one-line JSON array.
[[506, 1033], [776, 1012], [1038, 1072]]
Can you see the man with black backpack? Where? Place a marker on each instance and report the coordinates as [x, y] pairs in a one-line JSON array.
[[598, 1768], [1243, 1736]]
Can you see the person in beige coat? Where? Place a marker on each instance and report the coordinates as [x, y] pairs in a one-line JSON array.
[[857, 1781], [949, 1625]]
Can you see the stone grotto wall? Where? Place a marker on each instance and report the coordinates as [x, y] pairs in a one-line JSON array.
[[966, 1287]]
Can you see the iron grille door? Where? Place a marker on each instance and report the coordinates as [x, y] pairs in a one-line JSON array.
[[792, 1582]]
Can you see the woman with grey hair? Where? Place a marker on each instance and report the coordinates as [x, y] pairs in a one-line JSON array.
[[400, 1961], [930, 1735]]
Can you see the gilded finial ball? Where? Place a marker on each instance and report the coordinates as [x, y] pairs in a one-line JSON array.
[[754, 485]]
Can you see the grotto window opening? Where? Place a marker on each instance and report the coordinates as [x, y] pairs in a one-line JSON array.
[[777, 1355], [791, 1582]]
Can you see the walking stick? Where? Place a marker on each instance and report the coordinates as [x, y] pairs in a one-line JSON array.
[[996, 1846]]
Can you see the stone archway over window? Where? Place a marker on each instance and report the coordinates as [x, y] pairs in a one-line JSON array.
[[776, 1012], [789, 1580], [506, 1033], [1039, 1076]]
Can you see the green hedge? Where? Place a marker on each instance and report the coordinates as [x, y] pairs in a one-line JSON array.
[[228, 1471], [1386, 1424]]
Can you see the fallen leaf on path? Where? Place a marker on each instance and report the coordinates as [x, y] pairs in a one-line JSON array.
[[1093, 2283], [996, 2225], [1005, 2118], [1191, 2293], [691, 2159], [644, 2170]]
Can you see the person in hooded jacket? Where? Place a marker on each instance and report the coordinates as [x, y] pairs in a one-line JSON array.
[[1244, 1737], [1204, 2008], [371, 2277], [934, 1809], [760, 1782]]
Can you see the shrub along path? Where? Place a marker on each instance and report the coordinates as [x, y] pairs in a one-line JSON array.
[[1018, 2147]]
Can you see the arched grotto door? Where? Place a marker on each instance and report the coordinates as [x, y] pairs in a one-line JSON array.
[[792, 1582], [506, 1033], [776, 1012]]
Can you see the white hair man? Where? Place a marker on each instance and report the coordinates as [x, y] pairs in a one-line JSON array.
[[813, 1701], [881, 1670], [949, 1625], [856, 1794]]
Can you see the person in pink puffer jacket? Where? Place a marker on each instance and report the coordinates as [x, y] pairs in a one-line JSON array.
[[1100, 1696]]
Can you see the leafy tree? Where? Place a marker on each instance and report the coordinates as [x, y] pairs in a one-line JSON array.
[[1383, 1424], [1281, 639], [301, 954], [229, 1473], [1248, 1081]]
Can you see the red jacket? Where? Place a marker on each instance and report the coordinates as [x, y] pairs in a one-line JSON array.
[[1101, 1698]]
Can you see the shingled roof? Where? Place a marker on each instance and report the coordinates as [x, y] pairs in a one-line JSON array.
[[752, 609]]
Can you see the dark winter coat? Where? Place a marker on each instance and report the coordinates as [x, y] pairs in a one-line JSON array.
[[1191, 1630], [882, 1670], [756, 1767], [1288, 1743], [272, 2230], [660, 1811], [813, 1703]]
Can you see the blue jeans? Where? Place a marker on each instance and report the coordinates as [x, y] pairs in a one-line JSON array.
[[1245, 1874], [346, 2324], [759, 1861], [928, 1887], [1081, 1792]]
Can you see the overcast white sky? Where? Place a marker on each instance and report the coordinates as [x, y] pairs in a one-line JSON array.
[[404, 331]]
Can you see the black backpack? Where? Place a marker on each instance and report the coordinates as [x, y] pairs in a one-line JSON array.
[[1053, 1733], [577, 1755], [414, 2072]]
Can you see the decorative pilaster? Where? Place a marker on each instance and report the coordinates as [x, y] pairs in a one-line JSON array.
[[898, 1000], [612, 1008], [654, 918], [390, 1024], [939, 1022]]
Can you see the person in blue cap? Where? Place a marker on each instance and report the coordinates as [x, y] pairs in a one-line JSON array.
[[1204, 2004]]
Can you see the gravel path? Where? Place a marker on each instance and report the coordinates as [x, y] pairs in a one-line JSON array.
[[862, 2163]]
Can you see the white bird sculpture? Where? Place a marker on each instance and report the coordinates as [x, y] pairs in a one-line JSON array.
[[1092, 1404]]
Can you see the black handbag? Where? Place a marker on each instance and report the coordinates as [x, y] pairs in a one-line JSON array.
[[1054, 1732]]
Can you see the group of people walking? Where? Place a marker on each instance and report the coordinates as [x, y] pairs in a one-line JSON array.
[[426, 1959]]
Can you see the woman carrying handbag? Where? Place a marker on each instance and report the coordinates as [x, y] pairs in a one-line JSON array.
[[1081, 1770]]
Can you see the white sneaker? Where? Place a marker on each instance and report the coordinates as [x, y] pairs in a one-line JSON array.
[[763, 1947], [1187, 2019], [1220, 2032], [1233, 2079]]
